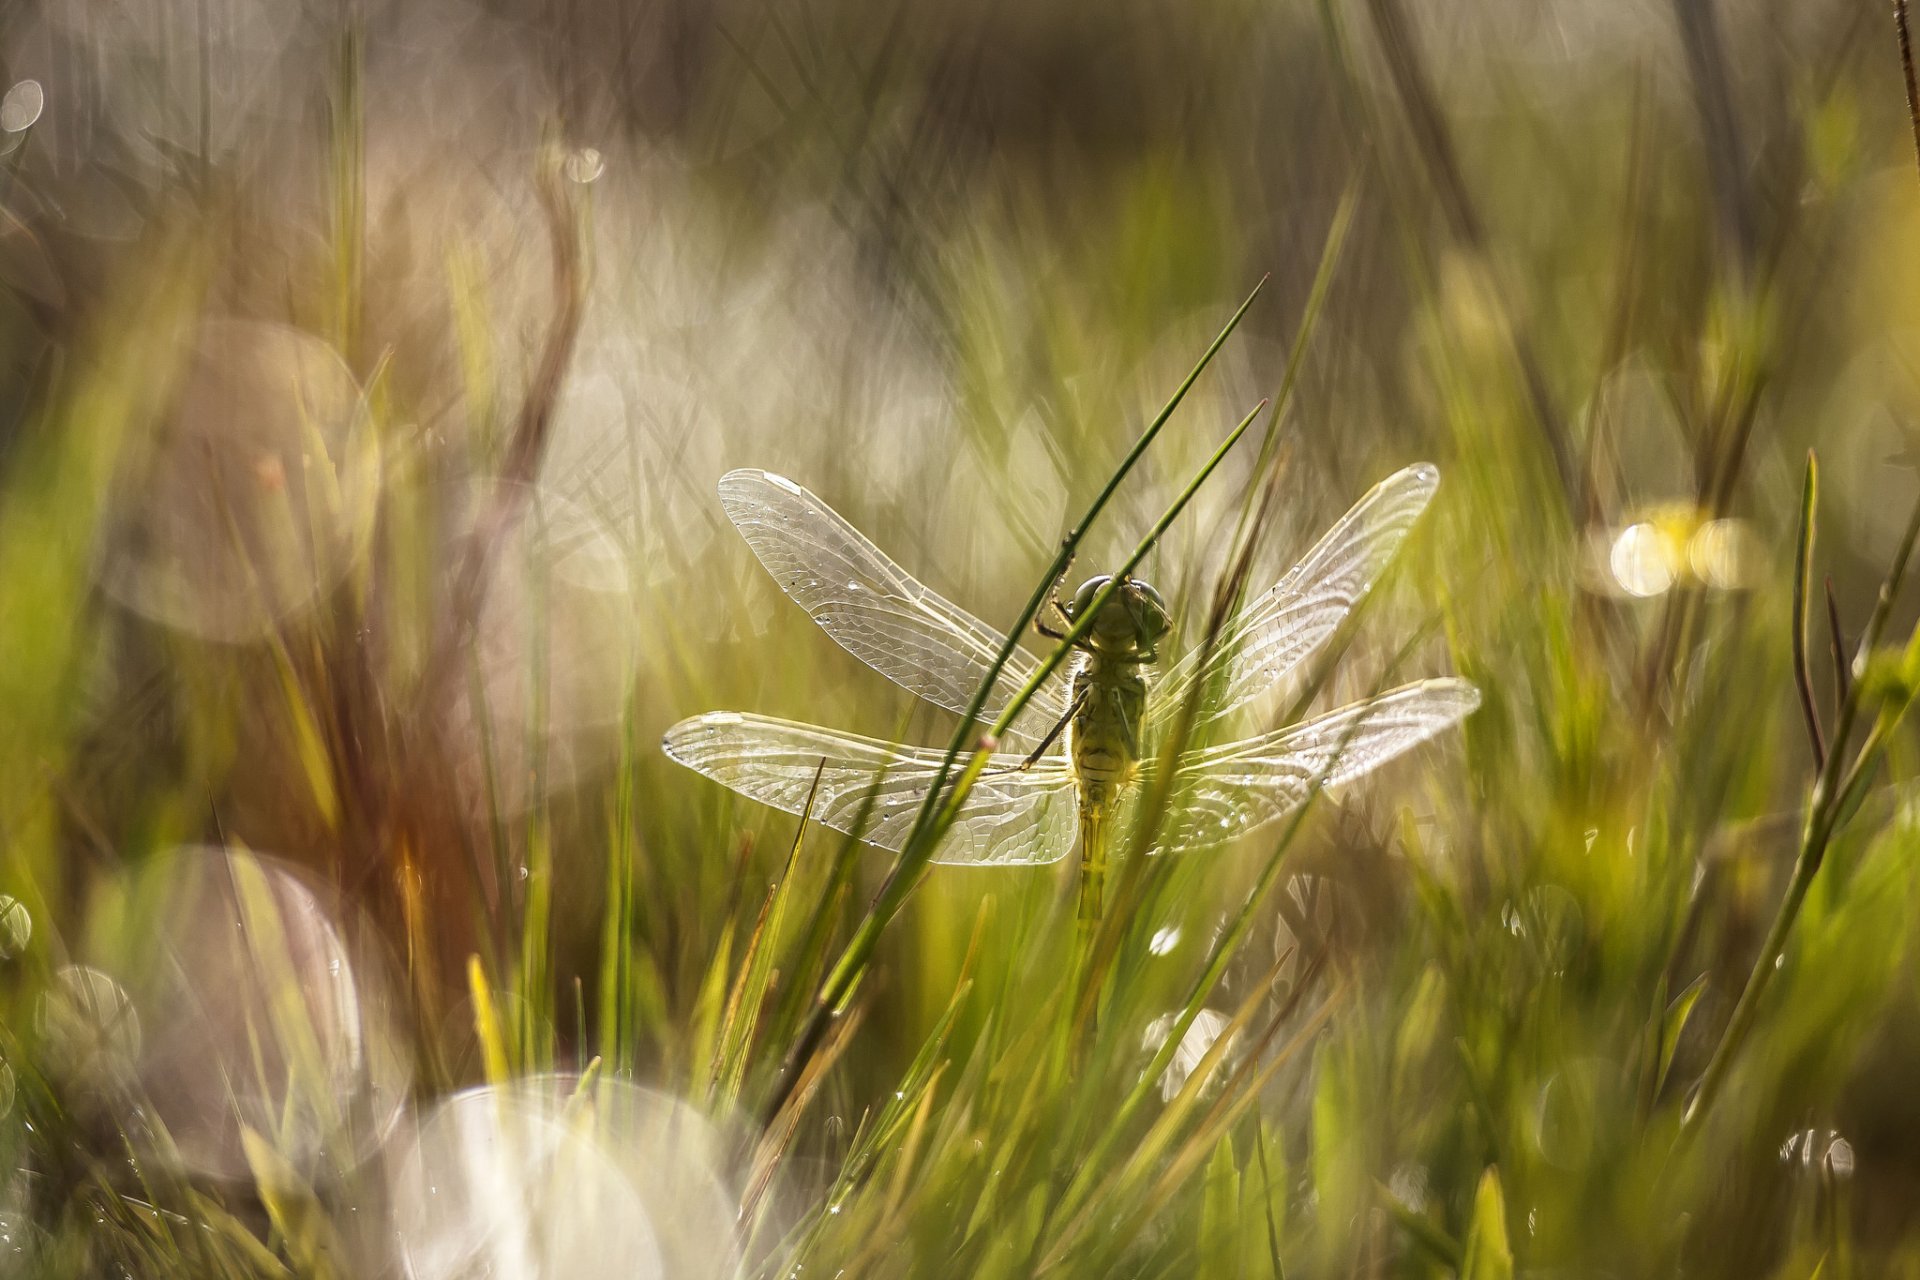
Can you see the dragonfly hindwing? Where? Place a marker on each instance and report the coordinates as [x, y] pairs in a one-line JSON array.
[[1013, 816], [1281, 629], [1228, 791]]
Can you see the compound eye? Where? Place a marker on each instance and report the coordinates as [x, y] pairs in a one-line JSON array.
[[1150, 613], [1083, 598]]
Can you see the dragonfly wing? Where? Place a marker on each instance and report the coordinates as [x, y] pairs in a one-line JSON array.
[[1274, 634], [1230, 790], [1012, 817], [878, 611]]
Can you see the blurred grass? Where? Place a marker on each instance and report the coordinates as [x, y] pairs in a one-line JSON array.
[[1602, 267]]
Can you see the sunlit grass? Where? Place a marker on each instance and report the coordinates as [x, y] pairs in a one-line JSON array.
[[1616, 979]]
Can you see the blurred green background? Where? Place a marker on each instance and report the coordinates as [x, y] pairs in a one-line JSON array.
[[365, 374]]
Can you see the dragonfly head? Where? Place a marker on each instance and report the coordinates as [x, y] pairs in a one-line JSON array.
[[1132, 621]]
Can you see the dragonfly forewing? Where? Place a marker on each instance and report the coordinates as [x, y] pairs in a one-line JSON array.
[[1269, 639], [878, 611], [1014, 816]]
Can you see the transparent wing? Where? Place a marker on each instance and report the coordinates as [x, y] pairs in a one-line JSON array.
[[1012, 816], [1230, 790], [878, 611], [1273, 635]]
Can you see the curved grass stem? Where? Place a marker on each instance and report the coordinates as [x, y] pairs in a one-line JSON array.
[[1802, 588], [845, 976], [1826, 808]]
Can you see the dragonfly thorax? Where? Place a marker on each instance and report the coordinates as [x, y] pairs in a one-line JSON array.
[[1130, 623], [1110, 686]]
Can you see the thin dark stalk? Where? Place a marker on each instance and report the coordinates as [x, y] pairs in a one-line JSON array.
[[1633, 218], [528, 444], [1906, 70], [1442, 160], [1317, 293], [1825, 809], [1802, 588], [1707, 68], [1266, 1201], [1837, 647], [406, 822]]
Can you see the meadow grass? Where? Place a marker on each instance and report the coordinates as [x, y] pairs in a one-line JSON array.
[[1616, 980]]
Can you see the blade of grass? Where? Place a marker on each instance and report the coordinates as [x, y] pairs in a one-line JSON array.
[[486, 1024], [1837, 648], [1825, 808], [1147, 1153], [616, 962], [1224, 948], [904, 873], [1188, 1157], [750, 990], [1802, 587], [1084, 623]]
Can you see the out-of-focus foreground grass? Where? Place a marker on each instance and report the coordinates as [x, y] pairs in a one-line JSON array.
[[365, 373]]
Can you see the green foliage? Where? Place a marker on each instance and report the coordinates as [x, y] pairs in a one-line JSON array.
[[1613, 981], [1488, 1256]]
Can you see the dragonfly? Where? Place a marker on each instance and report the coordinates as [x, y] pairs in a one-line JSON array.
[[1105, 707]]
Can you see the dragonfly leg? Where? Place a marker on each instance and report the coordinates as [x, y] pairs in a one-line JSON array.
[[1053, 736], [1044, 624]]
